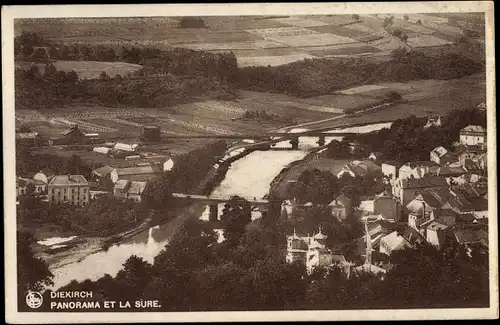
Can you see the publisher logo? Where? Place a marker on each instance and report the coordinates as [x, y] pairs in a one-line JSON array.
[[34, 299]]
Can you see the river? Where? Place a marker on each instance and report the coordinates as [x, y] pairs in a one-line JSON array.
[[249, 177]]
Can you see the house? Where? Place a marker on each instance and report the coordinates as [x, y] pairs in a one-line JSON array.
[[464, 153], [73, 189], [418, 169], [73, 135], [433, 121], [481, 106], [39, 186], [393, 242], [366, 207], [360, 168], [121, 188], [473, 135], [412, 236], [428, 201], [387, 206], [126, 189], [136, 190], [471, 235], [340, 207], [357, 148], [151, 133], [435, 233], [102, 176], [390, 169], [310, 250], [136, 173], [126, 147], [449, 173], [441, 156], [102, 150], [28, 139], [168, 164], [406, 189], [376, 156]]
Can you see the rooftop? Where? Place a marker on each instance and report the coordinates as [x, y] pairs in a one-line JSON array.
[[103, 171], [423, 163], [426, 181], [440, 151], [68, 180], [136, 170], [474, 128]]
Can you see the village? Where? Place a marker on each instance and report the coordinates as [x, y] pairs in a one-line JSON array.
[[442, 202]]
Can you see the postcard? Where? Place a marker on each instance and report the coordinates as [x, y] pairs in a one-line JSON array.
[[249, 162]]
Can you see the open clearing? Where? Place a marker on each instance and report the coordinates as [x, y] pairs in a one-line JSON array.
[[361, 89], [272, 60], [426, 40]]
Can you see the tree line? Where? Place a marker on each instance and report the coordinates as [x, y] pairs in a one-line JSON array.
[[53, 89]]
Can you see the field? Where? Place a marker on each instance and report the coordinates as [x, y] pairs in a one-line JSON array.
[[254, 39], [88, 69], [420, 98]]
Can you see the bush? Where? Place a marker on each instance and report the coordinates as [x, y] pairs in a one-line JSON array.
[[394, 95], [191, 22]]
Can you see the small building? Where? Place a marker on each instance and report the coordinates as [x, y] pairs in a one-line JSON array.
[[151, 133], [436, 234], [39, 186], [126, 147], [102, 174], [376, 156], [357, 168], [340, 207], [442, 156], [390, 169], [102, 150], [126, 189], [418, 169], [433, 121], [29, 139], [387, 206], [73, 135], [136, 173], [72, 189], [473, 135], [393, 242]]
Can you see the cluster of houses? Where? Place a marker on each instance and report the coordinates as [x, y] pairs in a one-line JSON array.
[[443, 201], [120, 182]]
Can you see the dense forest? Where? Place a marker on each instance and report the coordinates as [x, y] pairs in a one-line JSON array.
[[248, 272], [407, 139]]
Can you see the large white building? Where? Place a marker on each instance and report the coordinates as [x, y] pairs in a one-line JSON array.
[[72, 189], [473, 135]]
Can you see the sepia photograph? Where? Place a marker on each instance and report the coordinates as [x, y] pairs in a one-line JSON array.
[[173, 160]]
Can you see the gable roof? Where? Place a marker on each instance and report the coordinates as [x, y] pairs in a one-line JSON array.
[[395, 241], [471, 235], [137, 170], [421, 163], [413, 236], [137, 187], [103, 171], [424, 182], [474, 129], [121, 184], [68, 180], [439, 151]]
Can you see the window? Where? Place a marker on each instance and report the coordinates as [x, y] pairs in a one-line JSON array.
[[64, 191]]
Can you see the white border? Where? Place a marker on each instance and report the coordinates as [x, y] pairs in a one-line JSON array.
[[54, 11]]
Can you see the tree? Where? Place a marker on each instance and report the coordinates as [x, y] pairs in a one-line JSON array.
[[103, 76], [134, 276], [27, 50], [394, 95], [32, 273], [40, 55], [406, 17], [355, 17], [236, 215]]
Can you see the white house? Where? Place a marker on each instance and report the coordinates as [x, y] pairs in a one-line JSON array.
[[393, 242], [126, 147], [441, 156], [473, 135]]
